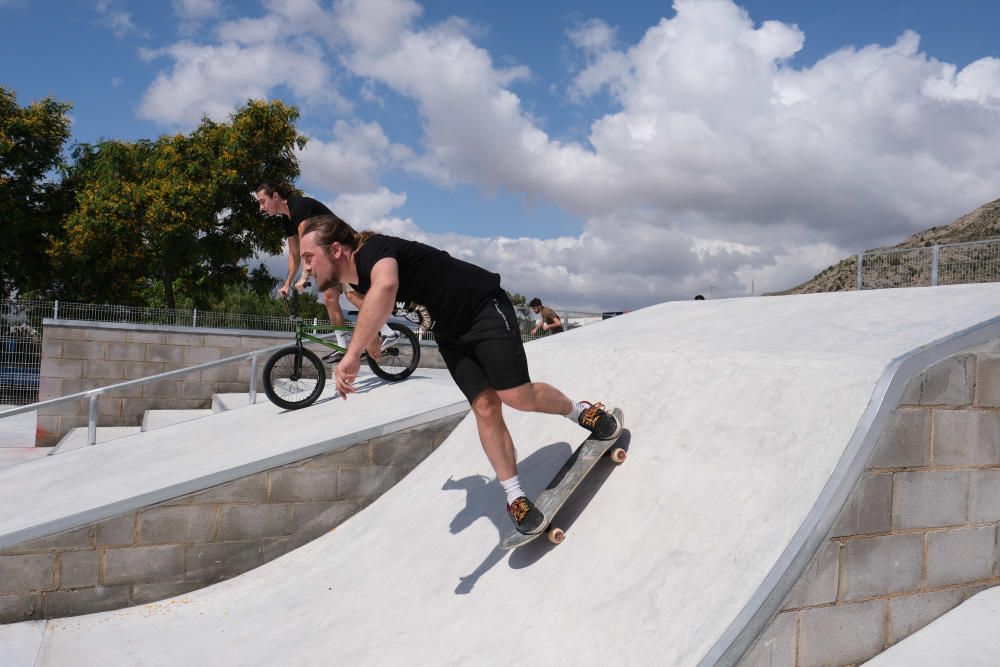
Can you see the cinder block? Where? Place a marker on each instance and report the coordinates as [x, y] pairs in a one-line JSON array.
[[24, 573], [107, 335], [933, 499], [948, 382], [960, 556], [143, 565], [162, 389], [52, 349], [882, 565], [252, 489], [146, 337], [367, 482], [164, 353], [841, 635], [125, 351], [776, 645], [984, 495], [144, 593], [79, 569], [966, 437], [97, 368], [17, 608], [85, 601], [227, 373], [141, 369], [906, 441], [215, 340], [74, 538], [177, 524], [81, 349], [869, 507], [201, 355], [62, 368], [59, 332], [988, 381], [251, 522], [912, 612], [818, 583], [185, 339], [299, 485], [359, 454], [214, 562]]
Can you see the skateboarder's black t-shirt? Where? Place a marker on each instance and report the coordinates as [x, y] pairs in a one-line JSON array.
[[452, 290], [301, 208]]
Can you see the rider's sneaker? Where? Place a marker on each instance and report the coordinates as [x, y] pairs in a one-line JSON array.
[[600, 422], [389, 340], [526, 517]]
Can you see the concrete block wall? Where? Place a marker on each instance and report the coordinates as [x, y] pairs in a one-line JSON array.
[[77, 356], [919, 533], [198, 539]]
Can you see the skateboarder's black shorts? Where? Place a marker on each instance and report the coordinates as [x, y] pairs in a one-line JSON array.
[[489, 355]]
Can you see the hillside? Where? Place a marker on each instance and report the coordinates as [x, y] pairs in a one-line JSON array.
[[981, 224]]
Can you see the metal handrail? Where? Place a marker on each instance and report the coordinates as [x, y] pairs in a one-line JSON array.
[[93, 394]]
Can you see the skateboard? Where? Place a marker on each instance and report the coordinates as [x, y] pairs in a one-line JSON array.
[[559, 490]]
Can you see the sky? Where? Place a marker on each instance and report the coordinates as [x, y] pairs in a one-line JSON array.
[[600, 156]]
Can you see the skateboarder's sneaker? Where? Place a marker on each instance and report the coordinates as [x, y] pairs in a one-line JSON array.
[[600, 422], [526, 516]]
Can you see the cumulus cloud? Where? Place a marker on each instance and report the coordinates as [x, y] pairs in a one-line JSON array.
[[112, 16], [718, 162]]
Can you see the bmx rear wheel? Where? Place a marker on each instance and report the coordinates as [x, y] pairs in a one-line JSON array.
[[400, 357], [294, 378]]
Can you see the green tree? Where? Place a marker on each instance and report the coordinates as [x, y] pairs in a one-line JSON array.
[[177, 213], [31, 144]]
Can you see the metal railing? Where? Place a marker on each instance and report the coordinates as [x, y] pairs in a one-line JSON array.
[[94, 394], [945, 264]]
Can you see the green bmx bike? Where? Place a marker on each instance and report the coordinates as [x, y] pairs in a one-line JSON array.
[[295, 376]]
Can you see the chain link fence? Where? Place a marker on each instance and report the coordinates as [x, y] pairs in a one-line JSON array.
[[947, 264]]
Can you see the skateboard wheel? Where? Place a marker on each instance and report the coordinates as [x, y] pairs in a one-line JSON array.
[[618, 455], [557, 535]]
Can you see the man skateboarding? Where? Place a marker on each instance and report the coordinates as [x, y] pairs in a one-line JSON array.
[[475, 327]]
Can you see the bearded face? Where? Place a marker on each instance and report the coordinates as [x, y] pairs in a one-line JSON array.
[[319, 262]]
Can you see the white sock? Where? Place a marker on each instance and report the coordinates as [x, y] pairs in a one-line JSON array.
[[343, 337], [512, 487], [578, 408], [386, 331]]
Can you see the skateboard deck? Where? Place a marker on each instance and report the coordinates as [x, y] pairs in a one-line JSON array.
[[565, 482]]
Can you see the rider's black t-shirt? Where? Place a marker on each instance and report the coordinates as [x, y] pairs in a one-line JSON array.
[[452, 290], [301, 208]]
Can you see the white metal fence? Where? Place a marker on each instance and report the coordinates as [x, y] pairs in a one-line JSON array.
[[947, 264]]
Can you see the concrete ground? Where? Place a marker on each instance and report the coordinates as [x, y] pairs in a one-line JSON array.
[[745, 419]]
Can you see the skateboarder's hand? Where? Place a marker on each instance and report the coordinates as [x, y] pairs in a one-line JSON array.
[[346, 372]]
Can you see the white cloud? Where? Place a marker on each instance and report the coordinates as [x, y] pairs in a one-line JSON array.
[[214, 80], [113, 17], [197, 10], [351, 162]]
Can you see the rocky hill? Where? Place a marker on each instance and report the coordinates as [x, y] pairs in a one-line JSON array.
[[979, 225]]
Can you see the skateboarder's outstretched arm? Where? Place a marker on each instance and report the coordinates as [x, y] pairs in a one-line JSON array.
[[375, 310]]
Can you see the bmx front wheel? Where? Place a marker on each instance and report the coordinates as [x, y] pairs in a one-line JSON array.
[[400, 355], [294, 378]]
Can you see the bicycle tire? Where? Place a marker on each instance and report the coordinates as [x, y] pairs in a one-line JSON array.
[[400, 359], [291, 389]]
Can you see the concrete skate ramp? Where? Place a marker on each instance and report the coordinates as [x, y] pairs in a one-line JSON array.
[[748, 423]]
